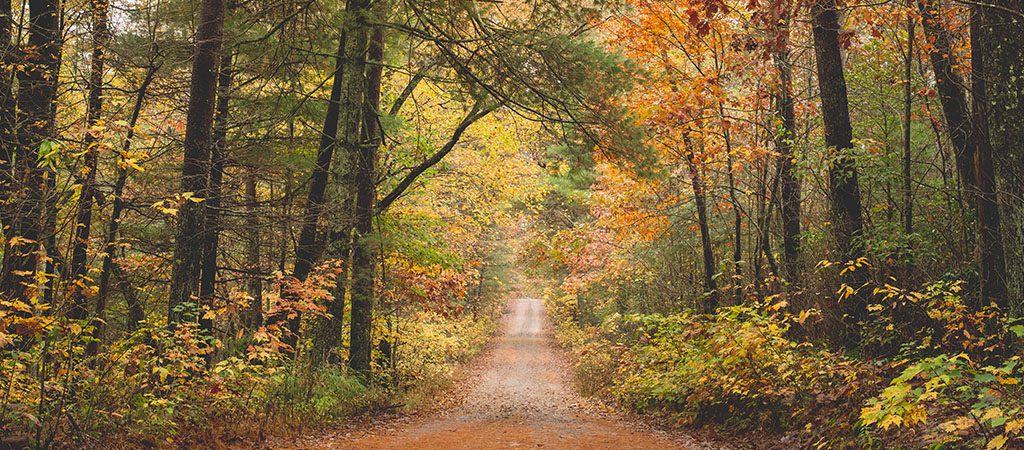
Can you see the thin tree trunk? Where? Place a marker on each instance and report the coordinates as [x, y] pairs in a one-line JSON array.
[[737, 246], [697, 182], [83, 225], [845, 204], [188, 242], [908, 103], [254, 287], [108, 266], [766, 236]]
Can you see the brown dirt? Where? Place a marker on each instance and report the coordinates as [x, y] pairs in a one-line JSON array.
[[520, 399]]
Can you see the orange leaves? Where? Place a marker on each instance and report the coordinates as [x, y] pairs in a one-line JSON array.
[[432, 287]]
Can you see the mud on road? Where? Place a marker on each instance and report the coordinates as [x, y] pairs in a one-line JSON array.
[[521, 399]]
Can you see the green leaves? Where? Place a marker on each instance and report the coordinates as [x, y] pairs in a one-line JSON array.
[[49, 154]]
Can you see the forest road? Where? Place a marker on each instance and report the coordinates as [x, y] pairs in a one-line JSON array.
[[521, 399]]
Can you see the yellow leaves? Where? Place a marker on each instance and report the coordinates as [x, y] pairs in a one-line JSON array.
[[992, 413], [170, 206], [18, 241], [845, 291], [997, 442], [1008, 380], [804, 315], [957, 426], [166, 206], [890, 420], [130, 163], [162, 373], [852, 266], [914, 415], [1014, 426], [869, 414]]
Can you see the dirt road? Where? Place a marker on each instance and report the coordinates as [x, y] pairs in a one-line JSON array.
[[521, 399]]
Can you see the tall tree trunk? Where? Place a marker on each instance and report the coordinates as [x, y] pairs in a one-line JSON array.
[[950, 87], [737, 244], [363, 260], [212, 205], [254, 286], [845, 202], [997, 84], [348, 69], [908, 103], [697, 182], [188, 245], [789, 184], [8, 120], [83, 221], [37, 89], [108, 267]]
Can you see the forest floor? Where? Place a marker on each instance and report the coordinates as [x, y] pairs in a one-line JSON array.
[[519, 396]]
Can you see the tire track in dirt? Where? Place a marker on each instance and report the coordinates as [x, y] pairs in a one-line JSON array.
[[521, 399]]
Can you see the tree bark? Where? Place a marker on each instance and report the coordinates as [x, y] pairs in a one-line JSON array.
[[950, 87], [83, 221], [8, 120], [254, 286], [908, 104], [737, 245], [789, 184], [212, 205], [37, 89], [845, 201], [188, 245], [997, 85], [697, 183], [351, 48], [364, 240]]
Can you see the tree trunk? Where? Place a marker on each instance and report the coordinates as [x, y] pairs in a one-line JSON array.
[[108, 266], [950, 87], [188, 242], [83, 221], [363, 253], [8, 120], [847, 222], [789, 184], [697, 182], [908, 104], [254, 287], [737, 245], [212, 205], [997, 84], [37, 88], [351, 49]]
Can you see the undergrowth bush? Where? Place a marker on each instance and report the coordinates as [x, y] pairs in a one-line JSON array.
[[736, 366], [955, 380], [154, 386], [958, 375]]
